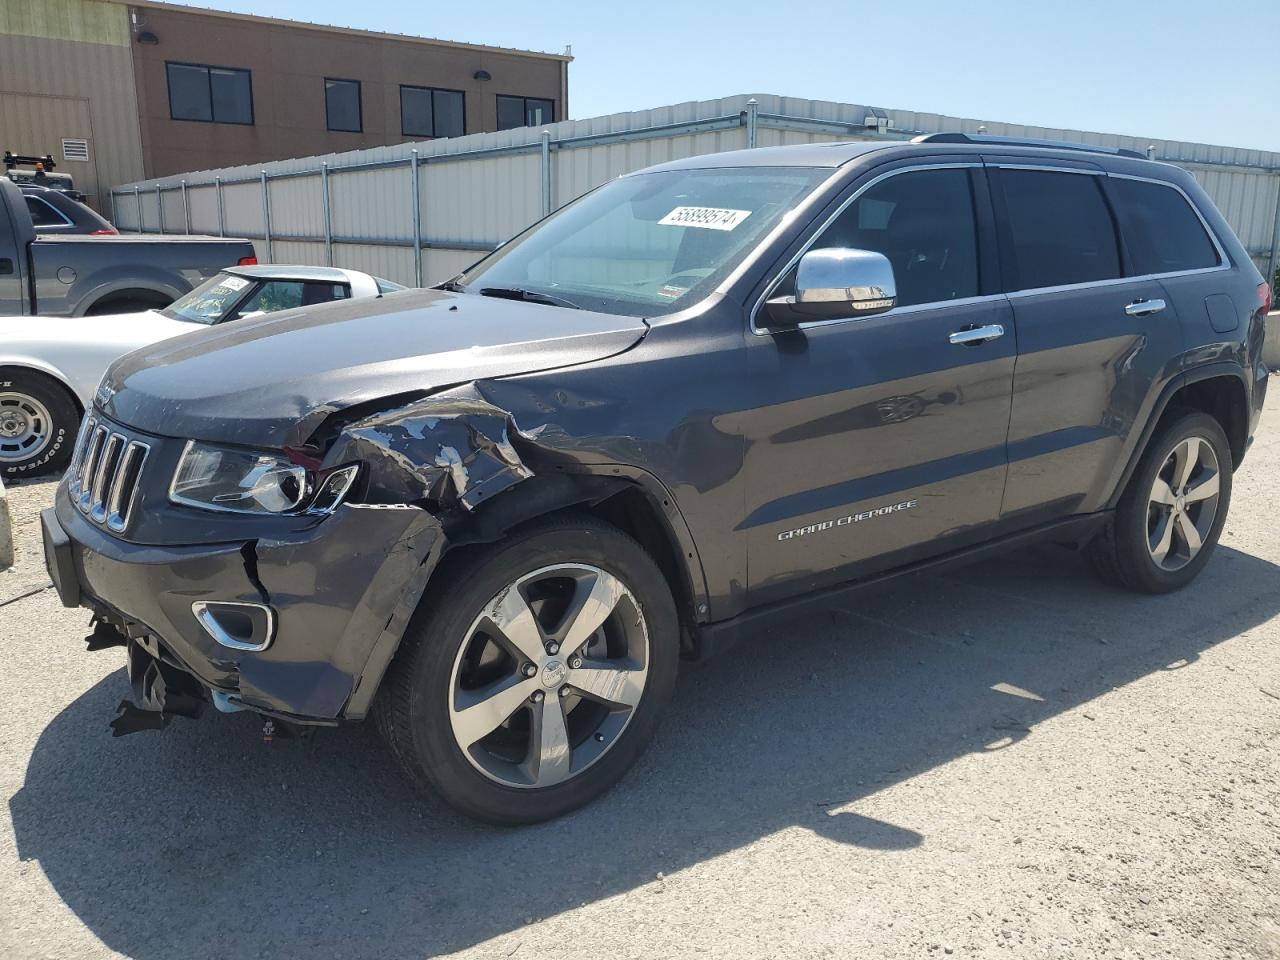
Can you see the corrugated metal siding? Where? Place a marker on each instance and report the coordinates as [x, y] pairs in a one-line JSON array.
[[472, 197], [79, 50]]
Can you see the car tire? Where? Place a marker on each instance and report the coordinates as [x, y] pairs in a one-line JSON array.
[[566, 724], [38, 424], [1171, 513]]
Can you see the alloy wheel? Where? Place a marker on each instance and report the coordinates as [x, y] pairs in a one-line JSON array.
[[25, 427], [549, 675], [1183, 503]]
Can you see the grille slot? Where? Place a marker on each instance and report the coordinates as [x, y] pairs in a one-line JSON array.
[[106, 472]]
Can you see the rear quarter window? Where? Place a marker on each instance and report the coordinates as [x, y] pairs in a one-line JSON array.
[[1162, 233], [43, 214]]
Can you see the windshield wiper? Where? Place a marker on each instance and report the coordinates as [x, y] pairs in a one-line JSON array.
[[453, 286], [528, 296]]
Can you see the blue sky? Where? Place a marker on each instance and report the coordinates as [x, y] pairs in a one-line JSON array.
[[1177, 69]]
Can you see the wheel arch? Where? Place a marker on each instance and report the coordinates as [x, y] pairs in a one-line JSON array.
[[44, 370], [1218, 389], [627, 498]]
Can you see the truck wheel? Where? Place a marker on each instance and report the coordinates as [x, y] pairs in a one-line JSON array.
[[1171, 513], [534, 673], [38, 423]]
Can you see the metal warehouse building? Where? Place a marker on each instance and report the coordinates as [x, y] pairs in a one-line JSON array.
[[420, 212], [118, 90]]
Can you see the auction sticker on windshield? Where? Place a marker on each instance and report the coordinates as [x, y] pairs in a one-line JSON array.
[[708, 218]]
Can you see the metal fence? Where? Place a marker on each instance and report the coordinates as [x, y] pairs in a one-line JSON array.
[[450, 201]]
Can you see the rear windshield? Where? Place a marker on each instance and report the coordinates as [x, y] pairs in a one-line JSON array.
[[649, 244]]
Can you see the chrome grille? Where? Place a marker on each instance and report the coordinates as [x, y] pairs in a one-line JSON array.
[[105, 473]]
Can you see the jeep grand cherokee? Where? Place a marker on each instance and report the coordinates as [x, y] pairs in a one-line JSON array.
[[495, 514]]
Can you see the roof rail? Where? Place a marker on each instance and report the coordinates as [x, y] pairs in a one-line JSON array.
[[979, 139]]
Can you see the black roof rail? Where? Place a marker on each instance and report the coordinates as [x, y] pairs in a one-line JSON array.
[[981, 138]]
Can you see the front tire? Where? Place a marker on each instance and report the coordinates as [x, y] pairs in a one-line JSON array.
[[534, 673], [38, 423], [1171, 513]]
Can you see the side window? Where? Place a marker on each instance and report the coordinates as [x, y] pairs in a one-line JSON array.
[[1161, 231], [1061, 228], [286, 294], [923, 221], [43, 215]]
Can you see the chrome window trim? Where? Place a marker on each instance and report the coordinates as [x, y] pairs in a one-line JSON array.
[[1045, 168], [66, 221], [896, 311], [1224, 264]]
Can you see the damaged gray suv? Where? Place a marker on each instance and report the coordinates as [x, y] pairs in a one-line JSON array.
[[494, 516]]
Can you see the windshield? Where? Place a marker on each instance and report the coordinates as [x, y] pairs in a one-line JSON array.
[[210, 301], [229, 297], [644, 245]]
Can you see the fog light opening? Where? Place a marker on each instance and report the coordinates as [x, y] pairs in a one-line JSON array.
[[239, 626]]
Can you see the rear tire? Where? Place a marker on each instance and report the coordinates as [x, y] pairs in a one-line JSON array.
[[38, 424], [1171, 513], [563, 725]]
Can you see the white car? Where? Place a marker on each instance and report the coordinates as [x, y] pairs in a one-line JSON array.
[[50, 367]]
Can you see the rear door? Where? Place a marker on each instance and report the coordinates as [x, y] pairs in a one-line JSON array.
[[1092, 340], [875, 441]]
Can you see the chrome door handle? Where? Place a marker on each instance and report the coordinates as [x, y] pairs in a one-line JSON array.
[[1144, 308], [975, 335]]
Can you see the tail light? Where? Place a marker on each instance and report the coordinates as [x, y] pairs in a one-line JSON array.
[[1264, 296], [104, 232], [247, 262]]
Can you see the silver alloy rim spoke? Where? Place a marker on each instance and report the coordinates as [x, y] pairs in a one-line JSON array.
[[1186, 457], [510, 615], [1190, 535], [552, 759], [1163, 539], [1203, 490], [533, 702], [591, 611], [1162, 493], [486, 710], [608, 683]]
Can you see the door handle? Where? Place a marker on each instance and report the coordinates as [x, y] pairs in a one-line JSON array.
[[1144, 308], [971, 336]]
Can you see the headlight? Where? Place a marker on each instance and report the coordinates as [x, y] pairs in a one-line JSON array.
[[251, 481]]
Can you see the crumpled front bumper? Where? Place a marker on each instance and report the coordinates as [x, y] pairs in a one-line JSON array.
[[342, 593]]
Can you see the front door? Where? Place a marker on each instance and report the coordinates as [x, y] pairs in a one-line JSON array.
[[881, 440]]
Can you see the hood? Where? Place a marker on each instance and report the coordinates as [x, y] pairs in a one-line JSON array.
[[270, 381], [124, 328]]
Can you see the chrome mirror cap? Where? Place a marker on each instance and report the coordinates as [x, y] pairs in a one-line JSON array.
[[837, 283], [859, 279]]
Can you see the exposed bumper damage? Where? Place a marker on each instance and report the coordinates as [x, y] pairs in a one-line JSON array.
[[340, 593]]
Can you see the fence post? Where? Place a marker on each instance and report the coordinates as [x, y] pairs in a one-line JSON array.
[[266, 217], [186, 208], [753, 118], [160, 207], [546, 172], [328, 224], [417, 221], [137, 200], [1273, 262], [217, 186]]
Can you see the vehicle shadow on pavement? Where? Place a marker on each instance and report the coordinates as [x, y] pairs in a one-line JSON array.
[[203, 841]]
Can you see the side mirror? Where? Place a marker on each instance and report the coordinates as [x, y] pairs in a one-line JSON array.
[[836, 284]]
